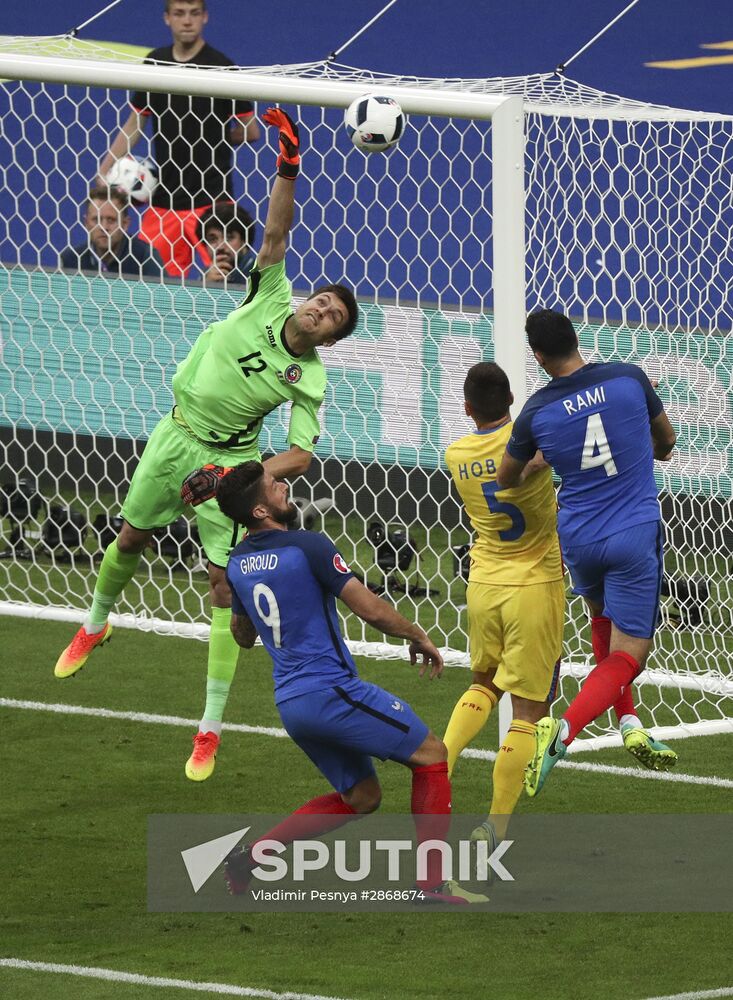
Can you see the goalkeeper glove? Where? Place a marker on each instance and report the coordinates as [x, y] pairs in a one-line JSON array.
[[201, 485], [288, 162]]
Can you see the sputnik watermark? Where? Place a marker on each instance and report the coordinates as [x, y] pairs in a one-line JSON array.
[[203, 860], [558, 863], [464, 859]]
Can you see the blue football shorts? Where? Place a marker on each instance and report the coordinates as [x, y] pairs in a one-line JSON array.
[[342, 727], [624, 572]]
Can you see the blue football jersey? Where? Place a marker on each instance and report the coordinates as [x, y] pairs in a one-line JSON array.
[[287, 583], [593, 429]]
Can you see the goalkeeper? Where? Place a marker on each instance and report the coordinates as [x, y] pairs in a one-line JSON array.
[[238, 370]]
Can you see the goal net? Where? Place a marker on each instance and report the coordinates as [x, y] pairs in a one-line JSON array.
[[625, 224]]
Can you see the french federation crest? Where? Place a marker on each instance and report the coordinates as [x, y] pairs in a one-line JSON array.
[[293, 374], [339, 564]]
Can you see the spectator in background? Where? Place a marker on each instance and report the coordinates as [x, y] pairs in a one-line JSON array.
[[227, 232], [192, 142], [109, 247]]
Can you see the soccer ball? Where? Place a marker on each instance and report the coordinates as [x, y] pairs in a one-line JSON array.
[[137, 178], [374, 123]]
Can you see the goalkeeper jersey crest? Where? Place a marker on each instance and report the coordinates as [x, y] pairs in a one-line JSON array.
[[241, 369], [516, 530]]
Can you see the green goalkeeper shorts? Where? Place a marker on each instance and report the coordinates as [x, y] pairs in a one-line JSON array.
[[154, 497]]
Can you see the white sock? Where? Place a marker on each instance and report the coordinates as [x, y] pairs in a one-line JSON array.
[[630, 720], [564, 730], [210, 726], [92, 629]]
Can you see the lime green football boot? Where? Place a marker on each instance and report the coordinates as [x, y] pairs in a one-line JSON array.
[[549, 750], [452, 893], [648, 751], [485, 831]]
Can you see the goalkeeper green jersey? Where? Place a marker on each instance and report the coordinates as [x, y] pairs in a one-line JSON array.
[[241, 369]]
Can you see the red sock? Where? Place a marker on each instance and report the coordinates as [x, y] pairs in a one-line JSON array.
[[327, 812], [600, 632], [600, 637], [602, 688], [625, 704], [431, 812]]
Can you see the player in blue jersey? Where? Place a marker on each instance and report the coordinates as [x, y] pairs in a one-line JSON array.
[[600, 426], [284, 586]]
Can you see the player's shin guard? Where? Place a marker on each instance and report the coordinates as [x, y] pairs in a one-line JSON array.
[[222, 663], [469, 716], [431, 813], [115, 572], [601, 689], [508, 779]]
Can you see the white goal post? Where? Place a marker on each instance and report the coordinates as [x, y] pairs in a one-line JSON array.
[[502, 195]]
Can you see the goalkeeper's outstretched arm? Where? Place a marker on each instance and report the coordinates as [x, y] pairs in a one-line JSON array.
[[201, 484], [281, 209], [293, 462]]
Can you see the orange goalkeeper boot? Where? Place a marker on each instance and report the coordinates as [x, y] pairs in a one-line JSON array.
[[203, 759], [79, 649]]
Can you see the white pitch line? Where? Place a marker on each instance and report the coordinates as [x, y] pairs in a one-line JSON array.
[[238, 727], [108, 713], [112, 975], [724, 991], [622, 772]]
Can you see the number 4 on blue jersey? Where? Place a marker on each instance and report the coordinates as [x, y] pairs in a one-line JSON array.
[[596, 449]]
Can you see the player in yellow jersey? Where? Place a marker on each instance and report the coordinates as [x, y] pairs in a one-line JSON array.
[[516, 592]]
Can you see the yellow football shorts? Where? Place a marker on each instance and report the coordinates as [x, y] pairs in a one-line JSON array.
[[518, 631]]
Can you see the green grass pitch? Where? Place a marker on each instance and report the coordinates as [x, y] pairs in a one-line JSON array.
[[76, 792]]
